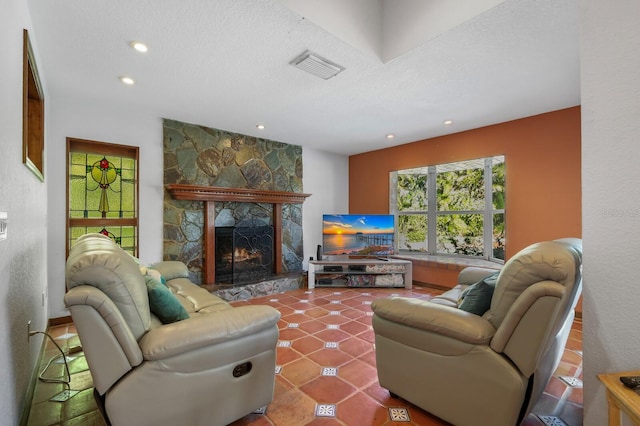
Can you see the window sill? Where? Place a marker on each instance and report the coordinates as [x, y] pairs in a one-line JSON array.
[[447, 262]]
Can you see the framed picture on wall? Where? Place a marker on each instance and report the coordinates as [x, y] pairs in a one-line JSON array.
[[32, 113]]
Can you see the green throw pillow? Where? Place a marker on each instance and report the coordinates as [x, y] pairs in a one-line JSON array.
[[477, 297], [164, 304]]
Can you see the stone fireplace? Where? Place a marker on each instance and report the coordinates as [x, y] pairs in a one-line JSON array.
[[219, 182], [250, 226]]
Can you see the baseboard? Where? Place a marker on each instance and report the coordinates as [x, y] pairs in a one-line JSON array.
[[60, 321]]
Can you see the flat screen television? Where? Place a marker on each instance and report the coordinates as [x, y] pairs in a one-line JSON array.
[[358, 235]]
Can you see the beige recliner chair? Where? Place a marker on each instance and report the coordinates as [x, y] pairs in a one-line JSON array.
[[483, 370], [210, 369]]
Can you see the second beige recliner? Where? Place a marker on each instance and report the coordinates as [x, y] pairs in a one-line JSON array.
[[483, 370]]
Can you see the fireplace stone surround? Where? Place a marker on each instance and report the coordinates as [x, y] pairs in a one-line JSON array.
[[279, 282], [213, 158]]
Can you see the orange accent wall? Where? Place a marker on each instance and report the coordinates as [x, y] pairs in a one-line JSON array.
[[543, 168]]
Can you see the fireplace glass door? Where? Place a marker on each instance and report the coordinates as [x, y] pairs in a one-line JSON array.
[[244, 254]]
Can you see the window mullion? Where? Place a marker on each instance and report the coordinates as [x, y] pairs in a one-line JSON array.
[[488, 208], [432, 206], [393, 207]]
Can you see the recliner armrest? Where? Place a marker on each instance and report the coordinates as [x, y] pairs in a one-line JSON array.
[[171, 269], [444, 320], [473, 274], [205, 330]]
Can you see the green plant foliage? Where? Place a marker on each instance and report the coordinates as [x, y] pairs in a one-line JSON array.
[[413, 227], [498, 236], [412, 192], [460, 234], [460, 190], [498, 181]]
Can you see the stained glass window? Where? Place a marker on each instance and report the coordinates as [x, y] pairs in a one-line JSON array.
[[102, 192]]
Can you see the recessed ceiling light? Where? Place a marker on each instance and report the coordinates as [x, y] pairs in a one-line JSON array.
[[260, 126], [391, 136], [127, 80], [139, 46], [447, 122]]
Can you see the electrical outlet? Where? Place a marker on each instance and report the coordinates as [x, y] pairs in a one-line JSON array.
[[28, 331]]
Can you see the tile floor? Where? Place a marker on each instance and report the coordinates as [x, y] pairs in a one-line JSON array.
[[325, 373]]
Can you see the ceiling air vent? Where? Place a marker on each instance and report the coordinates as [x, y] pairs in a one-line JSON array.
[[316, 65]]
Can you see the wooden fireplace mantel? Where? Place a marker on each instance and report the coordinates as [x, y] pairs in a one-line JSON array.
[[213, 193], [210, 194]]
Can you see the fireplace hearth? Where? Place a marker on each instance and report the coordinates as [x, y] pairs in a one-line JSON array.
[[244, 253]]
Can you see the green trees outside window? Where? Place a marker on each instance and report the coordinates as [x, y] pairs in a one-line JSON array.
[[444, 209]]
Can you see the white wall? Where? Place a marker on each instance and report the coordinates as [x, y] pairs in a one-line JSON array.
[[610, 68], [119, 124], [23, 255], [408, 24], [325, 176]]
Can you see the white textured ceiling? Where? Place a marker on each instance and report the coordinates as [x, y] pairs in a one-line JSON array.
[[410, 64]]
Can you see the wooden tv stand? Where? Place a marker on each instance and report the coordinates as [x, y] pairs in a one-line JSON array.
[[360, 273]]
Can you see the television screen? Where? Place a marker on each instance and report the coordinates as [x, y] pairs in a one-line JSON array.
[[358, 234]]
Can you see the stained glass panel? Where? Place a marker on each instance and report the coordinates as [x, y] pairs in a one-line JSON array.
[[125, 236], [103, 191], [102, 186]]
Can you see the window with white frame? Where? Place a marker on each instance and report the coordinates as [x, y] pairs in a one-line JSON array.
[[451, 209]]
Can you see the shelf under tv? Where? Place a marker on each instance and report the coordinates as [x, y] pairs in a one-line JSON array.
[[383, 273]]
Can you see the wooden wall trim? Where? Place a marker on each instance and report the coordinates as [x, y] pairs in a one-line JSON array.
[[213, 193]]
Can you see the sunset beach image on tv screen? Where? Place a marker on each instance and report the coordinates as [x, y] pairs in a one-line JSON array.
[[358, 235]]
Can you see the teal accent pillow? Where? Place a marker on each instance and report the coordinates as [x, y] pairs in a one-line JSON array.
[[477, 297], [164, 304]]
